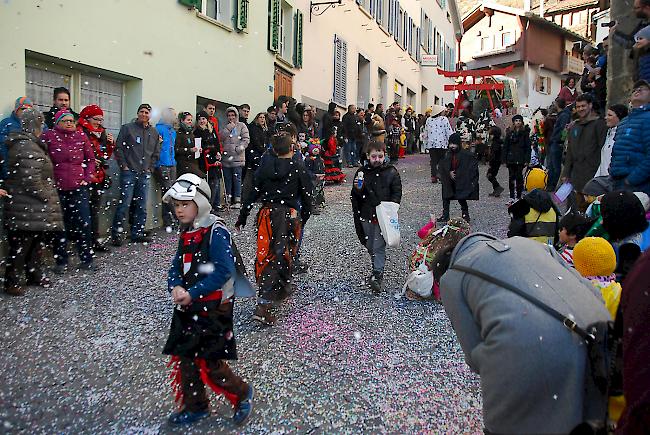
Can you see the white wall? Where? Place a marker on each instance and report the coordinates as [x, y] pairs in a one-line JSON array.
[[364, 36], [171, 54], [532, 98]]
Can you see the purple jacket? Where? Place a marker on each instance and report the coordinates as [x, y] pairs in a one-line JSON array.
[[72, 157]]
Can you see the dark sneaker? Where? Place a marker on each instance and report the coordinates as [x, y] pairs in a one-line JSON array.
[[116, 241], [442, 219], [88, 267], [497, 192], [466, 217], [141, 239], [43, 281], [60, 269], [375, 282], [244, 409], [263, 315], [99, 247], [300, 267], [15, 290], [184, 417]]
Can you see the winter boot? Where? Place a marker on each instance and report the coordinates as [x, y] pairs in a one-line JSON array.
[[244, 409], [465, 216], [263, 314], [376, 281], [186, 417], [497, 192], [443, 219]]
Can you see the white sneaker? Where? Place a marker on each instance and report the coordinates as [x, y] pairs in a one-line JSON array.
[[236, 205]]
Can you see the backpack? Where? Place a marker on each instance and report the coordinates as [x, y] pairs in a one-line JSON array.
[[242, 287]]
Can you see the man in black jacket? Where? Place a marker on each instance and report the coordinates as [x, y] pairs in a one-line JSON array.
[[349, 136], [459, 177], [375, 182], [60, 100]]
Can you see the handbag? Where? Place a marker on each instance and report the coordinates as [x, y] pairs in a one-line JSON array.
[[602, 344]]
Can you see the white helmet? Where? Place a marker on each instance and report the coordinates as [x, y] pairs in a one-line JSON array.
[[191, 187]]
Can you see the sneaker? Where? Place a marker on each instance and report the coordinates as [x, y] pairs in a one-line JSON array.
[[88, 267], [141, 239], [442, 219], [15, 290], [263, 315], [236, 205], [99, 247], [300, 267], [43, 281], [497, 192], [60, 269], [375, 282], [244, 409], [184, 417], [116, 241]]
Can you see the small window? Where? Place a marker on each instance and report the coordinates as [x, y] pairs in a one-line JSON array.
[[507, 39], [543, 85], [219, 10], [486, 43]]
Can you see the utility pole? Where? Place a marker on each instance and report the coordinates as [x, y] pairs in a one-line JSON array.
[[621, 69]]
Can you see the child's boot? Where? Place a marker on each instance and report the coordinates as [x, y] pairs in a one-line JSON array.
[[244, 408], [263, 314], [186, 416]]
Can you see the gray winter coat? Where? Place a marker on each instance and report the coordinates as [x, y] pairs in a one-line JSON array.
[[34, 203], [234, 140], [137, 147], [532, 368]]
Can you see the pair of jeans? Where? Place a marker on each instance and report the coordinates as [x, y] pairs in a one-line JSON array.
[[232, 179], [554, 164], [134, 187], [166, 177], [376, 246], [435, 155], [515, 179], [350, 151], [214, 181], [25, 257], [75, 205]]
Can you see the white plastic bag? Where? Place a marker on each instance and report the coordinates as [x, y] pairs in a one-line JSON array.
[[389, 222]]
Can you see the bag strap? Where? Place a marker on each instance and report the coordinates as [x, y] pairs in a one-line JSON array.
[[565, 320]]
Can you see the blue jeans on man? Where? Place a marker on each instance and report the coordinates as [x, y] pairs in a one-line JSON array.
[[133, 187], [350, 151]]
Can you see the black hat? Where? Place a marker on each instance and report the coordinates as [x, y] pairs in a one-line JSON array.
[[455, 139], [517, 117], [144, 106], [640, 83], [623, 214], [202, 114]]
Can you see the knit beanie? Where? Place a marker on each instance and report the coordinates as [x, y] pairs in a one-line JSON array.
[[202, 114], [455, 139], [643, 33], [536, 179], [232, 109], [62, 114], [594, 256], [22, 103], [31, 120], [90, 111], [623, 215], [598, 186]]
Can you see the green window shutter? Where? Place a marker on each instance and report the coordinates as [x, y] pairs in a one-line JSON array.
[[196, 4], [297, 53], [274, 25], [242, 14]]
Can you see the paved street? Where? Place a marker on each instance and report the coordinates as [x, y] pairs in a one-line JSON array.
[[85, 355]]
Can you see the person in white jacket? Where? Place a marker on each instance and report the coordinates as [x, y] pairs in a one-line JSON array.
[[436, 135], [614, 115]]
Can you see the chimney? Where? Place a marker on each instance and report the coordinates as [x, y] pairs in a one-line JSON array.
[[527, 5]]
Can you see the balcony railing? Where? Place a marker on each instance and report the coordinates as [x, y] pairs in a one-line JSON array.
[[572, 65]]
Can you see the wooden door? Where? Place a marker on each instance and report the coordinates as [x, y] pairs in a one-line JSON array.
[[283, 83]]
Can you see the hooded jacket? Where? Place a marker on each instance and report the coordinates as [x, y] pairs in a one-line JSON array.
[[72, 156], [8, 125], [533, 369], [282, 182], [536, 217], [586, 139], [167, 154], [34, 203], [631, 151], [382, 183], [516, 147]]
